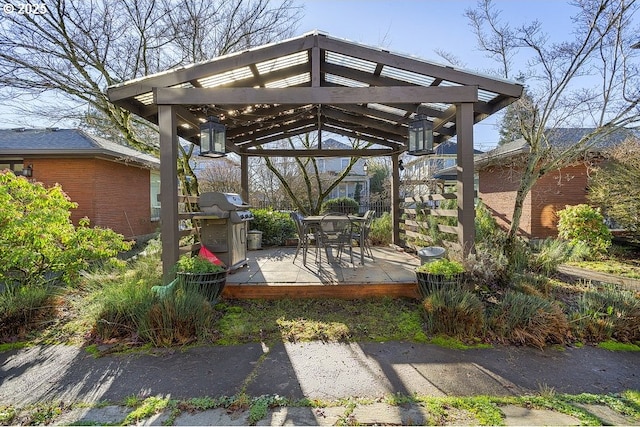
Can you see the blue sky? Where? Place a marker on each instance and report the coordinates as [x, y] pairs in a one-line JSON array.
[[422, 27]]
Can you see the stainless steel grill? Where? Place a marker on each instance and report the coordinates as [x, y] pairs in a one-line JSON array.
[[224, 218]]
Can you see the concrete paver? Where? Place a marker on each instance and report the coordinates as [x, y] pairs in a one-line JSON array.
[[607, 415], [519, 416], [302, 417], [212, 417], [111, 414]]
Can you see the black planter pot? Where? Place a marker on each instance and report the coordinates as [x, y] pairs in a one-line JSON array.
[[210, 285], [429, 283]]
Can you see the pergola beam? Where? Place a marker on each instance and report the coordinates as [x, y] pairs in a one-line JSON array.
[[362, 136], [318, 152], [315, 95]]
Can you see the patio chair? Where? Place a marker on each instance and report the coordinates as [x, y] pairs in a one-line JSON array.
[[335, 232], [361, 232], [305, 236]]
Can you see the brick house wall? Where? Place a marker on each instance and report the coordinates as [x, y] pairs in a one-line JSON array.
[[112, 195], [497, 189], [552, 192]]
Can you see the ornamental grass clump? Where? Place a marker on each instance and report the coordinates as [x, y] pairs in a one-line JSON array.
[[184, 318], [23, 307], [528, 320], [454, 312], [608, 313], [124, 306], [553, 252]]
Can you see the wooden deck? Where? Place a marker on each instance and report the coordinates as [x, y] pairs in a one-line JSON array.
[[271, 273]]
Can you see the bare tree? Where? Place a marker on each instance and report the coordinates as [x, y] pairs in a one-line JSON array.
[[75, 49], [220, 175], [300, 178], [590, 81]]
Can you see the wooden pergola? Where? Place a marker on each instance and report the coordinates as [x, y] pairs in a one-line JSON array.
[[314, 83]]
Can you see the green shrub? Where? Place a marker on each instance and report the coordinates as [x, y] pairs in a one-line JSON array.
[[381, 230], [487, 229], [37, 238], [608, 313], [529, 320], [454, 312], [582, 223], [340, 204], [276, 226]]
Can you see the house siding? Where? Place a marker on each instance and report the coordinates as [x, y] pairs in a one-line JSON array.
[[112, 195]]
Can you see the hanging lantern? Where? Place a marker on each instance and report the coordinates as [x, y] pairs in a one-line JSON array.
[[420, 136], [212, 138]]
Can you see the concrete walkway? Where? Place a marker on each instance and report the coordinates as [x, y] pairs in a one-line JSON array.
[[352, 379]]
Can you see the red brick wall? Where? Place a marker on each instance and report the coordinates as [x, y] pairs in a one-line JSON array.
[[553, 192], [112, 195], [497, 190]]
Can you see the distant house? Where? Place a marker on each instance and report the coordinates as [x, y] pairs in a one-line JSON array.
[[115, 186], [335, 165], [500, 171], [420, 171]]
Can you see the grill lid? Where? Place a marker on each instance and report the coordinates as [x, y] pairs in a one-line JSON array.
[[223, 201]]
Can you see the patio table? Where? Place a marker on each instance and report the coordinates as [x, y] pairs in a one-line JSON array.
[[312, 220]]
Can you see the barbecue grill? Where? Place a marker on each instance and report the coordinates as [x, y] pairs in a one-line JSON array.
[[223, 218]]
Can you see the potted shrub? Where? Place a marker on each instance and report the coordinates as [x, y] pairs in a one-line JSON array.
[[208, 278], [438, 274]]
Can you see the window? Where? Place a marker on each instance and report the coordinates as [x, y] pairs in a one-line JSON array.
[[344, 163], [155, 193], [14, 165]]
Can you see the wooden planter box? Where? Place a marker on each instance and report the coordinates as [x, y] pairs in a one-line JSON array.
[[210, 285], [429, 283]]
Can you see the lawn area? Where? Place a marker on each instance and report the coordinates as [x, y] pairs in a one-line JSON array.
[[622, 268]]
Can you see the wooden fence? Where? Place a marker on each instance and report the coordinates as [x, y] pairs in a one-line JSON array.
[[439, 203]]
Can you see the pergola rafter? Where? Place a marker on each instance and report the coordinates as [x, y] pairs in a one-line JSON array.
[[314, 83]]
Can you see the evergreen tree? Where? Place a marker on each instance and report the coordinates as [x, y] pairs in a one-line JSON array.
[[519, 118]]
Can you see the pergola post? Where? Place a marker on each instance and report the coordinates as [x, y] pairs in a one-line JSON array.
[[244, 177], [167, 123], [395, 199], [465, 171]]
